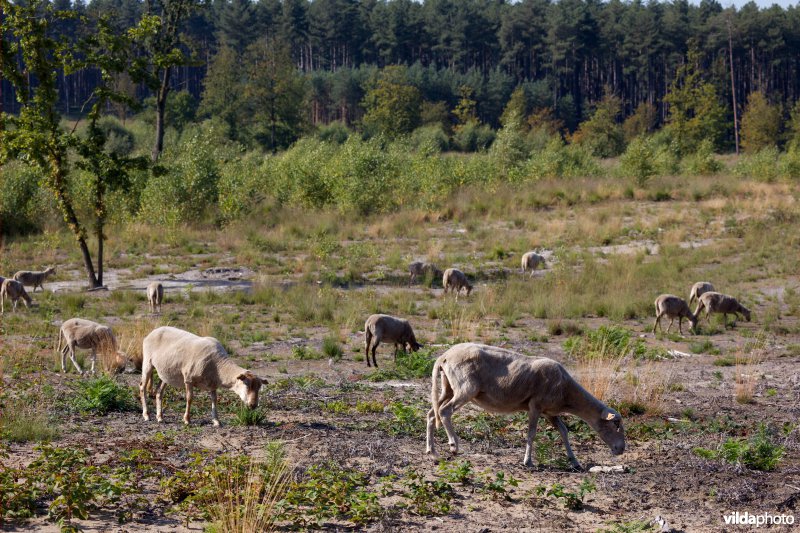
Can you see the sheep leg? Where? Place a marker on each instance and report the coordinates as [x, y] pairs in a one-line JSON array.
[[533, 420], [374, 349], [445, 413], [94, 358], [671, 322], [562, 429], [147, 377], [657, 323], [159, 397], [71, 347], [186, 415], [367, 343], [214, 419], [680, 325], [430, 435]]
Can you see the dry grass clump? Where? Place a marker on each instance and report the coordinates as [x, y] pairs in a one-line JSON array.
[[745, 376], [130, 336]]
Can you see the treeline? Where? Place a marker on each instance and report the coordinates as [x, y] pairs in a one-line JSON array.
[[566, 54]]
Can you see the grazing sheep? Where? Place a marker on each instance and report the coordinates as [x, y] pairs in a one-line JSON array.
[[455, 280], [714, 302], [418, 268], [34, 279], [14, 290], [88, 335], [673, 307], [531, 261], [183, 359], [503, 381], [698, 289], [388, 329], [155, 295]]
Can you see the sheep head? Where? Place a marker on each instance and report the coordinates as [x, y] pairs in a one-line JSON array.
[[247, 387], [610, 429]]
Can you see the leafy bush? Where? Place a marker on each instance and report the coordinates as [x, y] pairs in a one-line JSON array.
[[429, 139], [759, 452], [332, 348], [427, 498], [571, 500], [761, 166], [20, 201], [702, 162], [244, 416], [558, 160], [474, 137], [638, 161], [335, 133], [101, 395]]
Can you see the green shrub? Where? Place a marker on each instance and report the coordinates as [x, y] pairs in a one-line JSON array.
[[761, 166], [332, 348], [21, 202], [558, 160], [102, 394], [759, 452], [474, 137], [638, 161], [702, 162], [335, 133], [429, 139]]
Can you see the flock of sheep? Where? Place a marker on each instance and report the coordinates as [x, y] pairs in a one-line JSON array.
[[498, 380]]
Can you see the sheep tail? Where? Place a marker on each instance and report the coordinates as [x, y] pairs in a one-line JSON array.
[[437, 368]]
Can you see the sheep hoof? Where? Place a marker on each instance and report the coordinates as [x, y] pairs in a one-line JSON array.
[[215, 423], [185, 421], [159, 419], [576, 466], [146, 418]]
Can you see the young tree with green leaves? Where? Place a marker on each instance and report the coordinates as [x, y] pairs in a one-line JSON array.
[[36, 135], [601, 133], [392, 103], [761, 123], [695, 112], [159, 34]]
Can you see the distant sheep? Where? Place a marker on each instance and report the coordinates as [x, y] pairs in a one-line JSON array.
[[698, 289], [714, 302], [502, 381], [14, 290], [531, 261], [88, 335], [421, 269], [155, 296], [34, 279], [673, 307], [388, 329], [454, 280], [184, 360]]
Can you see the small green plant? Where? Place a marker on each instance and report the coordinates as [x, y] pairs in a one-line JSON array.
[[460, 472], [367, 406], [497, 486], [425, 497], [101, 395], [336, 407], [408, 420], [634, 526], [305, 353], [759, 452], [706, 346], [571, 500], [726, 360], [332, 349], [244, 416]]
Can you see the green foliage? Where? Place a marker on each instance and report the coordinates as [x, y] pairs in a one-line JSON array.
[[304, 353], [759, 452], [407, 420], [762, 165], [330, 491], [18, 498], [244, 416], [573, 501], [638, 161], [101, 395], [21, 203], [641, 122], [392, 104], [460, 472], [332, 348], [429, 139], [498, 486], [761, 123], [601, 134], [425, 497], [695, 113], [558, 160], [118, 139], [473, 137], [702, 161], [410, 365], [335, 132]]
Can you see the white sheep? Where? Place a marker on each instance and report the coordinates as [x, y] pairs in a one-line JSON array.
[[714, 302], [673, 307], [183, 359], [34, 279], [531, 261], [388, 329], [88, 335], [14, 290], [698, 289], [502, 381], [419, 268], [455, 280], [155, 295]]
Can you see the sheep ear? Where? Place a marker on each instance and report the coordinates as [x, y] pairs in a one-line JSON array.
[[244, 377], [609, 414]]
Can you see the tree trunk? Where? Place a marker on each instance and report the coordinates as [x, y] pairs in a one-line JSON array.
[[161, 106], [59, 188]]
